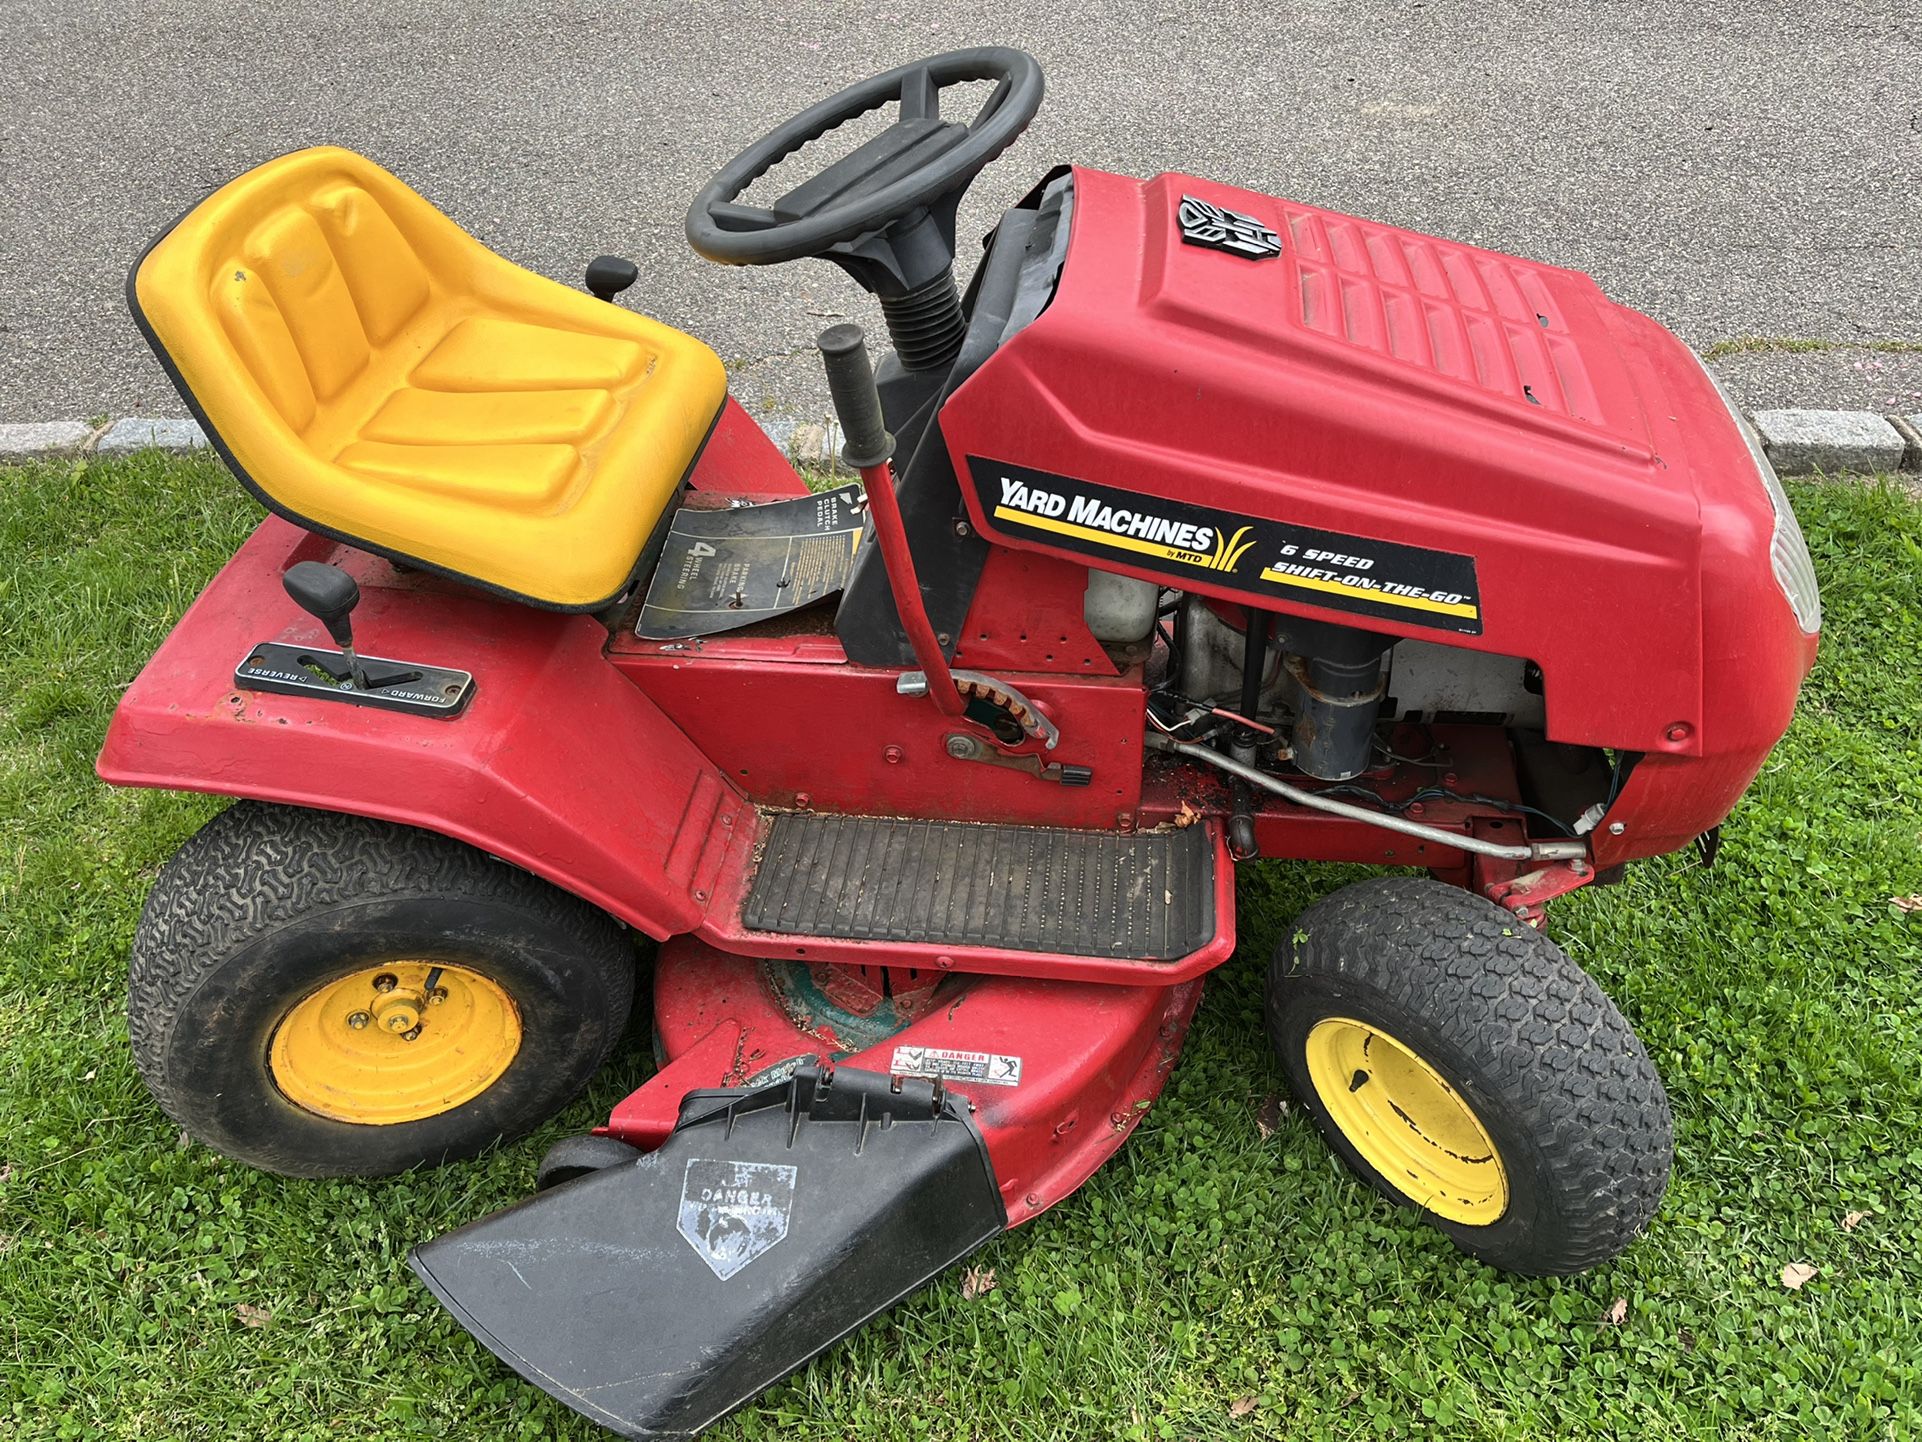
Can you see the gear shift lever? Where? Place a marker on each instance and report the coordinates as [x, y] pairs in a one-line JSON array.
[[329, 595]]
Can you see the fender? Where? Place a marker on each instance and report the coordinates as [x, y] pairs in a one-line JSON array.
[[559, 765]]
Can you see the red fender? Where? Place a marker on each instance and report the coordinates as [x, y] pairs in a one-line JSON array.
[[560, 765]]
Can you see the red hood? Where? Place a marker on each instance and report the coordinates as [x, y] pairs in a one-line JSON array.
[[1374, 427], [1406, 310]]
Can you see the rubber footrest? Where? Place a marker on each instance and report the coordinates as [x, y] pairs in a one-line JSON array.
[[1019, 888]]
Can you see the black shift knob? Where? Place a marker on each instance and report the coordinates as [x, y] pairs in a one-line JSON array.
[[326, 593], [609, 275]]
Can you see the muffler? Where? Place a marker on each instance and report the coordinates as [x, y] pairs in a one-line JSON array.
[[658, 1295]]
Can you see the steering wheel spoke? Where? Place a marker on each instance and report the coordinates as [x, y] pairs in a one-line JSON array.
[[740, 219], [920, 96]]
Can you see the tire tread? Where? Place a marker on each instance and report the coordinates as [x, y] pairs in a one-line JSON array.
[[256, 866], [1537, 1027]]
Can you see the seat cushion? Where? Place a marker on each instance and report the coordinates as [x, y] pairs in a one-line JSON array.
[[372, 371]]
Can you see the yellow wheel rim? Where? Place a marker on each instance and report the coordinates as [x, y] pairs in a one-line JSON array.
[[394, 1043], [1408, 1124]]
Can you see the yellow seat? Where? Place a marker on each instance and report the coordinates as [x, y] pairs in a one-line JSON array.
[[372, 371]]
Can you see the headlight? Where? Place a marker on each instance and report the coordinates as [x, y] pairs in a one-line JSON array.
[[1788, 552]]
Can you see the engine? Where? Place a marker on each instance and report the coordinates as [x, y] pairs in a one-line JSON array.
[[1325, 690]]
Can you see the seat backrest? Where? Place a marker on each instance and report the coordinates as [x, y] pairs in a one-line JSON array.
[[275, 294]]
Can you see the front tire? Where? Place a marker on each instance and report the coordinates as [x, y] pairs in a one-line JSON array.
[[322, 995], [1460, 1063]]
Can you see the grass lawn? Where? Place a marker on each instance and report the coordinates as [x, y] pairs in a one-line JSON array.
[[1209, 1283]]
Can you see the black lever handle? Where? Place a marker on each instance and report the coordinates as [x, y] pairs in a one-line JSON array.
[[609, 275], [844, 353], [326, 593]]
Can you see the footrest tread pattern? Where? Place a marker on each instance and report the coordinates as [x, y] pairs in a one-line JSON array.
[[1018, 888]]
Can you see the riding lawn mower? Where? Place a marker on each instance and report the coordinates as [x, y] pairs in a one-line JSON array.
[[1200, 527]]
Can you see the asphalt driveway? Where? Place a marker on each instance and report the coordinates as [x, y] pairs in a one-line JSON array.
[[1737, 168]]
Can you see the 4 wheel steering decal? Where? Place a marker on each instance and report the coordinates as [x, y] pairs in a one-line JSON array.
[[1264, 558]]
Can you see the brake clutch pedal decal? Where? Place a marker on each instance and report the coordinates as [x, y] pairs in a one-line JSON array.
[[948, 1064], [1384, 579], [733, 1212]]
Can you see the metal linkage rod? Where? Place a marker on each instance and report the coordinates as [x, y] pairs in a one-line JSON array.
[[1533, 851]]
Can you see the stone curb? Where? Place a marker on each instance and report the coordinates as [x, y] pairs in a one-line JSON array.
[[1798, 442], [140, 434], [43, 438], [1801, 443]]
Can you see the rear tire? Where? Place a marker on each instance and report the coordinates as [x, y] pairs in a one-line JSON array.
[[278, 942], [1511, 1101]]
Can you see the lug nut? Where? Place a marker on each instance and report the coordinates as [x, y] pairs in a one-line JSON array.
[[439, 996], [397, 1022], [358, 1020], [386, 981]]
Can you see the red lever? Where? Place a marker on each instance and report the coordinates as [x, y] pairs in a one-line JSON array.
[[869, 447]]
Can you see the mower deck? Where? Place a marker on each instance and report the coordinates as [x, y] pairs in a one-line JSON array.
[[1022, 888], [1058, 1073], [818, 1142]]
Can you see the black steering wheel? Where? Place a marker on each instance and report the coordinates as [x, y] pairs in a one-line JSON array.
[[909, 170]]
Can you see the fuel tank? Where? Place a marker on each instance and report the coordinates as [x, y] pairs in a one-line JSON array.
[[1270, 403]]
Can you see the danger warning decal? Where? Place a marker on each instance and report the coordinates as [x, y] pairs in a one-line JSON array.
[[1322, 568], [732, 1212], [949, 1064]]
